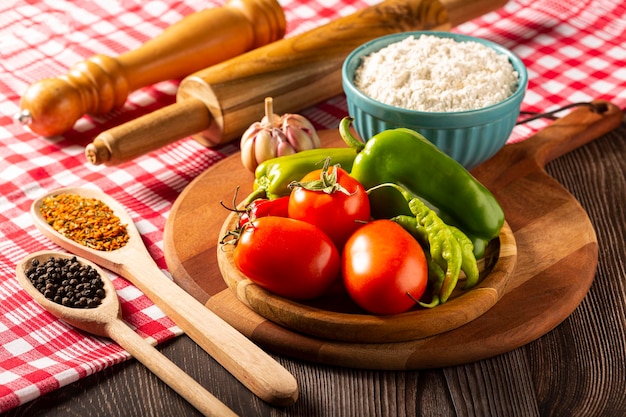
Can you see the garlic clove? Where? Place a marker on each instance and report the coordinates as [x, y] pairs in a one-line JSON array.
[[251, 132], [248, 159], [299, 139], [284, 148], [265, 145], [299, 122], [247, 146]]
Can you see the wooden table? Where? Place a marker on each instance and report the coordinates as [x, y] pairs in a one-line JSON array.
[[578, 369]]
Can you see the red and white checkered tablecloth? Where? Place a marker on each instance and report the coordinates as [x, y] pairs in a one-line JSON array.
[[575, 50]]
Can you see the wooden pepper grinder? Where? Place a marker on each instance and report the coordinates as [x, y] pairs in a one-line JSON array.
[[102, 83]]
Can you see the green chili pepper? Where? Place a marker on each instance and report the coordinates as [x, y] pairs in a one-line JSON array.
[[272, 177], [468, 264], [468, 261], [443, 246], [436, 275], [404, 157]]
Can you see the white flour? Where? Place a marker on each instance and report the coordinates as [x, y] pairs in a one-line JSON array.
[[436, 75]]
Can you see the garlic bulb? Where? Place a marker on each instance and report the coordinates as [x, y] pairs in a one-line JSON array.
[[276, 136]]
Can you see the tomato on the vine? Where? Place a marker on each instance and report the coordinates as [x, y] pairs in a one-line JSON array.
[[384, 268], [289, 257], [332, 200]]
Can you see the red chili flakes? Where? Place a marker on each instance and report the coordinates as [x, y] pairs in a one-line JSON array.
[[87, 221]]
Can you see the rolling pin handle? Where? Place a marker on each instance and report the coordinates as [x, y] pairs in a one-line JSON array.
[[98, 152], [149, 132]]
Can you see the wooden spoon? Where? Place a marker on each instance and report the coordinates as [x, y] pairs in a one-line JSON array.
[[253, 367], [106, 320]]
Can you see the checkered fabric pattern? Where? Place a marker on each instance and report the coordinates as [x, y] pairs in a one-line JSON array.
[[574, 50]]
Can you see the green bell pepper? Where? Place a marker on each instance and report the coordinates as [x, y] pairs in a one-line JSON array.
[[272, 177], [404, 157]]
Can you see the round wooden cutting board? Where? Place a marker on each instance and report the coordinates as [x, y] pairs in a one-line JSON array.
[[557, 255]]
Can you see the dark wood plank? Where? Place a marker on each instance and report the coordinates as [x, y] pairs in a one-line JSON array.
[[477, 388], [580, 369]]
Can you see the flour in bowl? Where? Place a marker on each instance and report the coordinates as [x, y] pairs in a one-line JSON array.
[[436, 74]]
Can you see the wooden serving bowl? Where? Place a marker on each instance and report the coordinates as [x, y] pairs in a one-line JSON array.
[[336, 317]]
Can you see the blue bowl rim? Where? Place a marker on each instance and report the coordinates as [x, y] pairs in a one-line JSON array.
[[380, 42]]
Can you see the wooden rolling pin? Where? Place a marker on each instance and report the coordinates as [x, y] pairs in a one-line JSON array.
[[102, 83], [217, 104]]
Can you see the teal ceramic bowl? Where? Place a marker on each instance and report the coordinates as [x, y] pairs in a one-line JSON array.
[[471, 137]]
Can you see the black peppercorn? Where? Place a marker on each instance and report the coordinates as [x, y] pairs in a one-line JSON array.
[[67, 282]]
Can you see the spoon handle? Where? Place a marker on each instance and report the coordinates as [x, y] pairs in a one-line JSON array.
[[246, 361], [167, 371]]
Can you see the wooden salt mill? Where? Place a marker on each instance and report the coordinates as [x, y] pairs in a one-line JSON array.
[[215, 105], [101, 83]]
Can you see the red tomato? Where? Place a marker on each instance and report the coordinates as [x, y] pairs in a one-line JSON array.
[[289, 257], [337, 213], [262, 207], [382, 264]]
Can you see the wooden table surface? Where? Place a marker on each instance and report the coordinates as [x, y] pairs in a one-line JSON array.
[[578, 369]]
